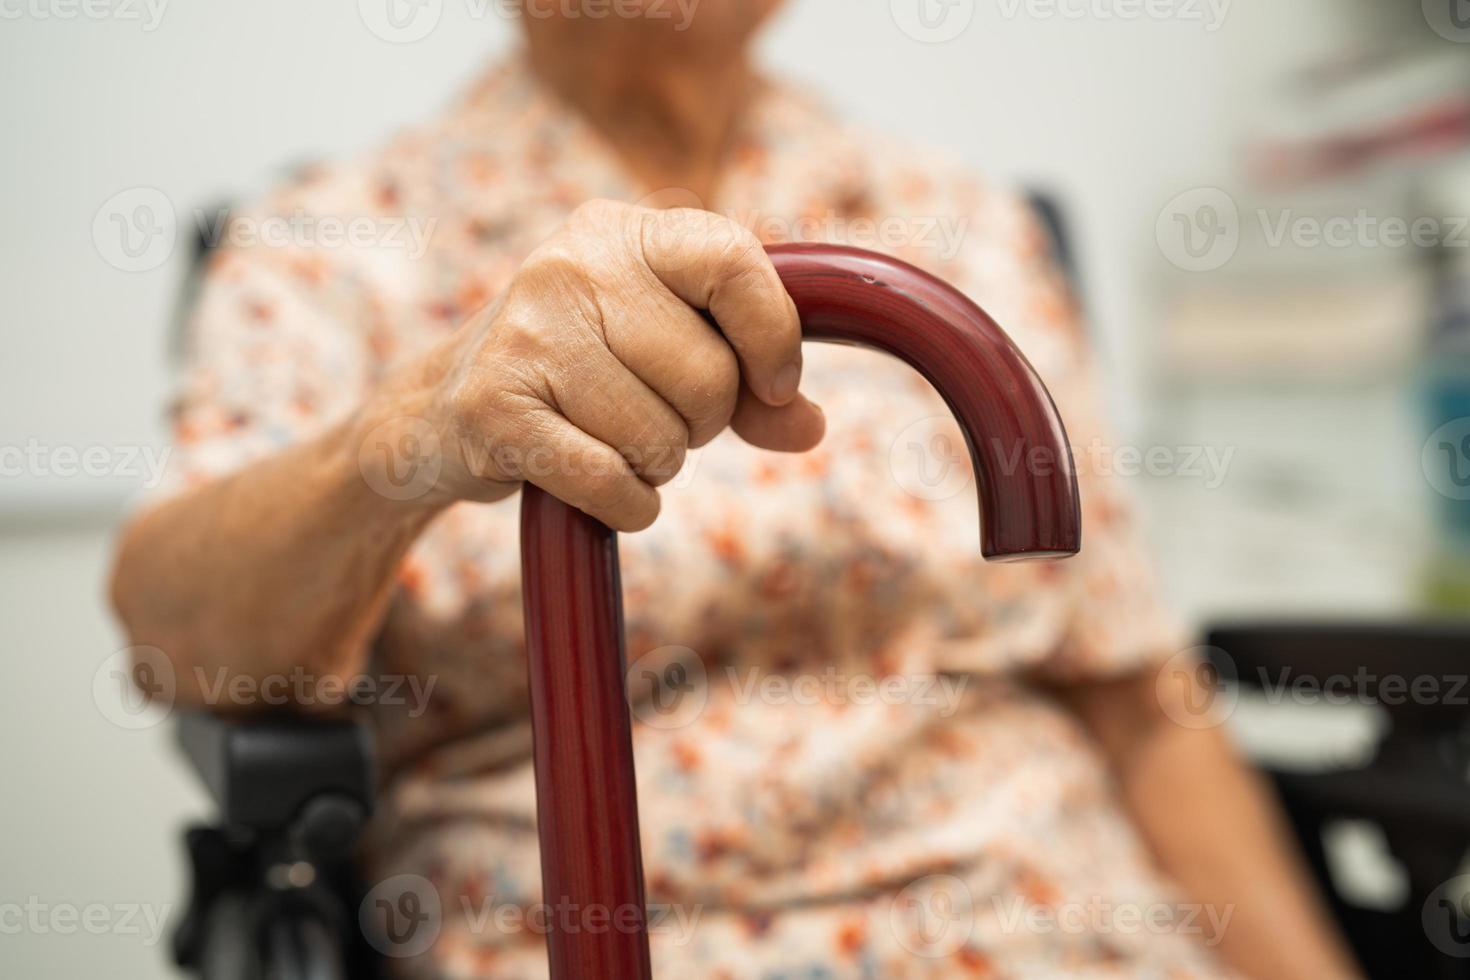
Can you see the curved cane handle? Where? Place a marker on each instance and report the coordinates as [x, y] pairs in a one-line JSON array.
[[587, 806]]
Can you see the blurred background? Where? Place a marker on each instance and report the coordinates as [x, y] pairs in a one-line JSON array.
[[1269, 205]]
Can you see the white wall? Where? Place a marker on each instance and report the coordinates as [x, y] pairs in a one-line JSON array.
[[220, 96], [1115, 116]]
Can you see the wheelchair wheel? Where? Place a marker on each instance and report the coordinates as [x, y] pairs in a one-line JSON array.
[[303, 949], [270, 940]]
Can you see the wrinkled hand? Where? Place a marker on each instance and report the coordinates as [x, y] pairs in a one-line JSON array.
[[629, 337]]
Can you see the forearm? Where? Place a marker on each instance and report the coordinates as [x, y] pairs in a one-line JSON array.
[[591, 376], [285, 565], [1212, 827]]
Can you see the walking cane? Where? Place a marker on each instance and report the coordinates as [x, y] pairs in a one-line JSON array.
[[587, 806]]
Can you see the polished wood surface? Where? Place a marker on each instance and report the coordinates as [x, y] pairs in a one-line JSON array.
[[587, 808]]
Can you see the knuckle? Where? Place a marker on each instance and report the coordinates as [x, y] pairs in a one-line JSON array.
[[464, 404], [606, 486], [524, 343], [630, 506], [710, 399], [494, 426], [739, 250], [640, 519], [553, 261], [484, 419], [567, 275], [659, 459], [742, 266], [599, 216]]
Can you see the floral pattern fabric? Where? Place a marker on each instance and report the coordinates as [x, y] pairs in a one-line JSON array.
[[794, 815]]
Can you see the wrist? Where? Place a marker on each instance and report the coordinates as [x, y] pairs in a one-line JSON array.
[[410, 447], [398, 447]]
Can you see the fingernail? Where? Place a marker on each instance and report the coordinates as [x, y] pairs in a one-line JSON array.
[[783, 389]]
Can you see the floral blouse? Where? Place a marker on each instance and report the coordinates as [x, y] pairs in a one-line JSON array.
[[842, 769]]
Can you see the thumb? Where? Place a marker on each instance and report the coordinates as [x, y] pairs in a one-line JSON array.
[[794, 427]]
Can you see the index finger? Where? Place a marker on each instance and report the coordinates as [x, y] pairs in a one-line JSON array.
[[714, 264]]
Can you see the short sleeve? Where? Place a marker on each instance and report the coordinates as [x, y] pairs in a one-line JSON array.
[[275, 352], [1114, 616]]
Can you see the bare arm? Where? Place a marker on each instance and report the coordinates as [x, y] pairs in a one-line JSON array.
[[286, 564], [1213, 828], [591, 378]]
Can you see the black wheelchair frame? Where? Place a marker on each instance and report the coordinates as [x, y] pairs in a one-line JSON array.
[[273, 882]]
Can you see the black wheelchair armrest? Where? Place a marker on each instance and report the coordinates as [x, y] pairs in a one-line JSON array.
[[1380, 662], [263, 771], [273, 874]]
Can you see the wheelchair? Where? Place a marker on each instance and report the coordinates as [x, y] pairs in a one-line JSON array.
[[275, 897]]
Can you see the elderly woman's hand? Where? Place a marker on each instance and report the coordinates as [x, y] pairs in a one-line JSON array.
[[627, 338]]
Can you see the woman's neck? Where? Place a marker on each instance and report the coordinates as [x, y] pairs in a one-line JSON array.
[[669, 123]]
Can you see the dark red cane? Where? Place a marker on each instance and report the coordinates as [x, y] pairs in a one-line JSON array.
[[587, 802]]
